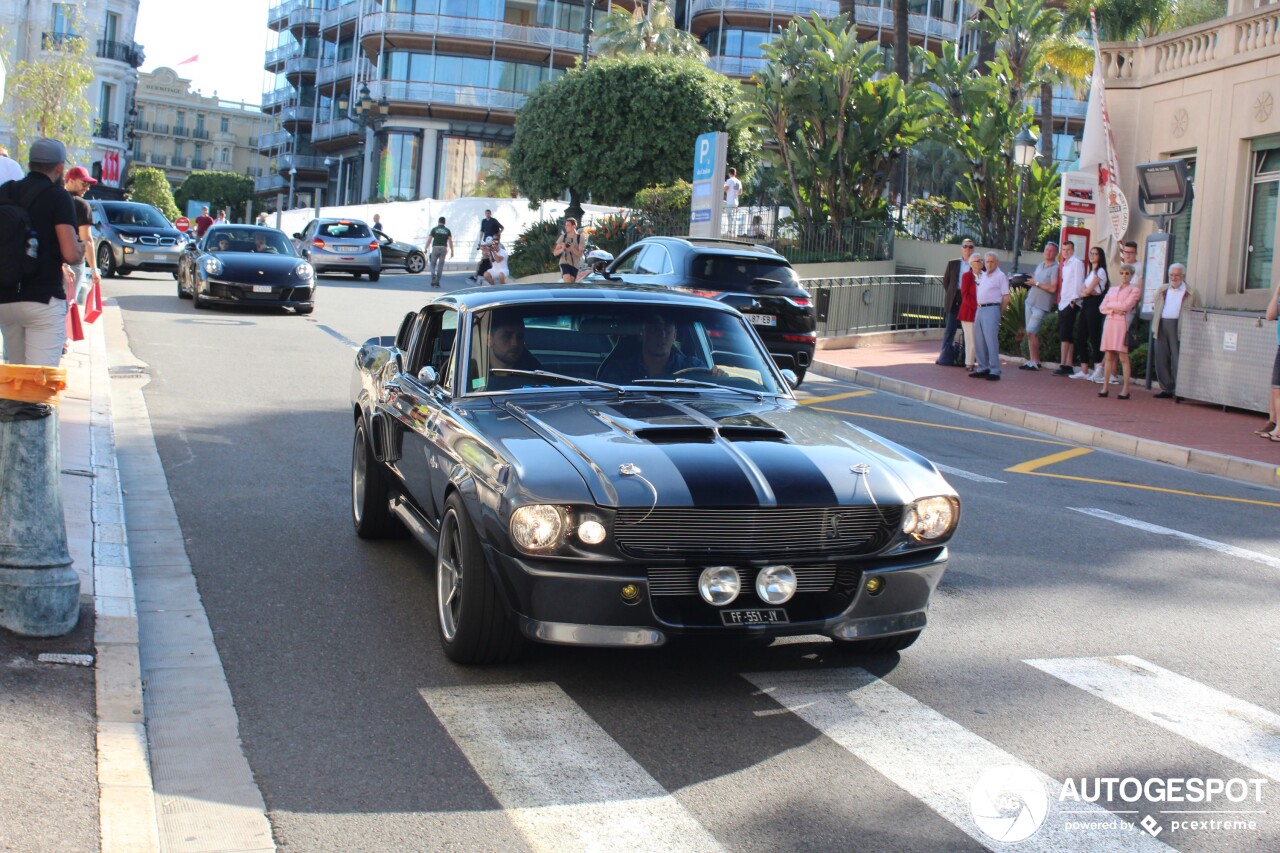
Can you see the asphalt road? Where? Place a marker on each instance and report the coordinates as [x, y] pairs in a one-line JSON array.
[[1068, 636]]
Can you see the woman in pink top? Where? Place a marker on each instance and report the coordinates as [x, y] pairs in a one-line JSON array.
[[1116, 307], [969, 307]]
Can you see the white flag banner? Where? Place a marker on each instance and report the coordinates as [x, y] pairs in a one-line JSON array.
[[1098, 156]]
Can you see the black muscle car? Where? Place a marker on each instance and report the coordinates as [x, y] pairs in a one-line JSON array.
[[616, 466], [246, 265]]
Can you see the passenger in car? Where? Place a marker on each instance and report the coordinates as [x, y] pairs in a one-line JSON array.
[[507, 350], [653, 355]]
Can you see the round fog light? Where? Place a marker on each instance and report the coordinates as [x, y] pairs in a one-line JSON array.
[[875, 586], [719, 585], [591, 532], [776, 584]]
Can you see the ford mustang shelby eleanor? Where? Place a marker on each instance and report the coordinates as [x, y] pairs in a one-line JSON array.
[[617, 466]]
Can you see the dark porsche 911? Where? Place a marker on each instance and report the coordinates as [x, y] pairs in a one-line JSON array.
[[246, 265], [617, 466]]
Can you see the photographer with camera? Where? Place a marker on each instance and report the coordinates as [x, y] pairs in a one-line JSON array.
[[569, 248]]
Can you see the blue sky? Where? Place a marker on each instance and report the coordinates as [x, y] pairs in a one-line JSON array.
[[230, 37]]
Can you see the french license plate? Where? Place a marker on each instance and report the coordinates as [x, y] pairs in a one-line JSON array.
[[761, 319], [158, 257], [262, 288], [770, 616]]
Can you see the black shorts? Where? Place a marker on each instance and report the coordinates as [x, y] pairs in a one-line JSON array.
[[1067, 323], [567, 269], [1275, 371]]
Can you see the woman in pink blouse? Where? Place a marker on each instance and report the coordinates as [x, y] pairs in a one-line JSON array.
[[1116, 307], [969, 307]]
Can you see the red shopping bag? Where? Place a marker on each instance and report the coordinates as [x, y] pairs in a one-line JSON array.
[[75, 331], [93, 303]]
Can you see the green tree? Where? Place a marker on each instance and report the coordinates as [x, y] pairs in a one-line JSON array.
[[1190, 13], [649, 28], [1121, 20], [149, 186], [839, 121], [47, 97], [616, 126], [223, 191]]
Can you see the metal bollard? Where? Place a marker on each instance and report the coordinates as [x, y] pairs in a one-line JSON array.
[[39, 591]]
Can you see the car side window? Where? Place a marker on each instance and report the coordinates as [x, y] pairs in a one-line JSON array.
[[445, 357], [627, 263], [658, 260], [650, 260]]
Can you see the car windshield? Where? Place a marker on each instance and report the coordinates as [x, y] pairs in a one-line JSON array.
[[728, 268], [254, 240], [617, 344], [343, 229], [135, 214]]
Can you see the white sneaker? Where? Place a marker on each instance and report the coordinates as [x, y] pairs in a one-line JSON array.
[[1115, 381], [1079, 374]]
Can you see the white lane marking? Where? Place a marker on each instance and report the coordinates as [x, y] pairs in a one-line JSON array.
[[929, 756], [1231, 727], [966, 475], [566, 785], [1212, 545]]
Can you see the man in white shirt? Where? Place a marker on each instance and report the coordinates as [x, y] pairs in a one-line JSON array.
[[1172, 301], [732, 189], [993, 298], [10, 169], [1069, 306]]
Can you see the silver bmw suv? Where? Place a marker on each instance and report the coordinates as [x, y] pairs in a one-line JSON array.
[[129, 235]]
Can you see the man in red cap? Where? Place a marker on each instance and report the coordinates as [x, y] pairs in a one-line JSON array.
[[77, 181]]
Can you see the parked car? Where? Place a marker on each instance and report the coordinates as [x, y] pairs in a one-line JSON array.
[[130, 235], [340, 245], [397, 254], [619, 466], [246, 265], [753, 278]]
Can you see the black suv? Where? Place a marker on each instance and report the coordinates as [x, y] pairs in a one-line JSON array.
[[754, 279]]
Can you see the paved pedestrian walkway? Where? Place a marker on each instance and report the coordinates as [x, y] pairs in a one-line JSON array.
[[73, 768]]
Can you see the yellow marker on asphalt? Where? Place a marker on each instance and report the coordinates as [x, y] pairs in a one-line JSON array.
[[1031, 466], [943, 426], [834, 397]]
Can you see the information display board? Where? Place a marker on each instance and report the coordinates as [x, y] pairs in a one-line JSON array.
[[710, 153], [1155, 267]]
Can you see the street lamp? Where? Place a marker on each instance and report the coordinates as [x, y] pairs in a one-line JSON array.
[[369, 114], [1024, 154], [293, 171]]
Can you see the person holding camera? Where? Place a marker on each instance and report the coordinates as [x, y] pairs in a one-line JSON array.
[[569, 248], [498, 273]]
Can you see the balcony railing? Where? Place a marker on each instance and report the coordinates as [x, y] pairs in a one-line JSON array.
[[277, 55], [275, 139], [106, 130], [279, 11], [177, 130], [348, 11], [301, 65], [199, 163], [310, 162], [736, 66], [323, 131], [439, 93], [473, 28], [296, 114], [267, 183], [119, 51], [344, 70], [304, 16], [276, 97], [199, 133], [868, 14], [1214, 45]]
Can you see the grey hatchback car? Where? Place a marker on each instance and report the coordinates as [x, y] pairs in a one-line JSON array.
[[129, 235], [340, 245]]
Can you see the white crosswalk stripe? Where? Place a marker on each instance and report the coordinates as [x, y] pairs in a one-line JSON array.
[[1209, 544], [565, 783], [1231, 727], [967, 475], [931, 757]]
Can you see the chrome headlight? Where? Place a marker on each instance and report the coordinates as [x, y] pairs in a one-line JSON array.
[[776, 584], [931, 518], [212, 266], [719, 585], [539, 527], [128, 238], [303, 270]]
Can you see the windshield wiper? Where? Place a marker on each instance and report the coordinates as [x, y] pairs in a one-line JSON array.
[[576, 380], [694, 383]]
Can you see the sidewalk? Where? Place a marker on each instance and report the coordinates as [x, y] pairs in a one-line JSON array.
[[1198, 436]]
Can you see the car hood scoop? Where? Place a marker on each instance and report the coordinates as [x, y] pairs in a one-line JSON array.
[[712, 453]]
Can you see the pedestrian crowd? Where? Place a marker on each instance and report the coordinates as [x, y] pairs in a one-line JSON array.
[[1095, 317]]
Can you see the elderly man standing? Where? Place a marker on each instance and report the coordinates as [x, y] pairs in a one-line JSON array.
[[1172, 301], [1044, 284], [993, 298], [956, 268]]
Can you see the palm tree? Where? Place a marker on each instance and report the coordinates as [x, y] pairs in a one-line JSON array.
[[1039, 54], [1121, 20], [648, 29]]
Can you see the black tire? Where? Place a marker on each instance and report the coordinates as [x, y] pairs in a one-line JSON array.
[[800, 371], [356, 275], [123, 273], [415, 263], [195, 297], [106, 262], [880, 645], [374, 276], [305, 309], [370, 492], [182, 294], [473, 626]]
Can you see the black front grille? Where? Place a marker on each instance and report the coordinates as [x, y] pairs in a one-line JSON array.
[[757, 533]]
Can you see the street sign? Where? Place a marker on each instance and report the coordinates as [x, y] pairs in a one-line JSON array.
[[710, 152], [182, 223], [1079, 194]]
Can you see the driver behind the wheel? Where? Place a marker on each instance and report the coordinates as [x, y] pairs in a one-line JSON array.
[[653, 356], [507, 350], [260, 244]]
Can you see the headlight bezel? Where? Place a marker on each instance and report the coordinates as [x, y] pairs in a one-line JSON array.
[[931, 520], [568, 541], [304, 271], [211, 266], [128, 238]]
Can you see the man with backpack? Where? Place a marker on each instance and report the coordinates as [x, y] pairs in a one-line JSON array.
[[37, 236]]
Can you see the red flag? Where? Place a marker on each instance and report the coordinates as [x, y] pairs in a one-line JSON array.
[[191, 59]]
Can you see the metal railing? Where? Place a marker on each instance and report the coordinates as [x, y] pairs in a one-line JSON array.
[[345, 69], [301, 65], [868, 14], [265, 183], [478, 28], [876, 303], [120, 51], [276, 97], [292, 114], [311, 162], [274, 139], [322, 131], [737, 66], [339, 15], [106, 130], [438, 93]]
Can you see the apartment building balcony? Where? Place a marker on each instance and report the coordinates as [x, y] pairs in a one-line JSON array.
[[297, 67], [276, 57], [106, 130], [736, 66], [278, 12], [295, 115], [55, 40], [302, 162], [273, 100], [441, 100], [335, 134], [340, 21], [118, 51], [199, 133], [347, 69], [275, 139], [270, 183], [304, 17], [706, 14], [407, 30]]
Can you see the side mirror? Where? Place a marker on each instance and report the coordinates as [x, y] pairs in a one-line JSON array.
[[428, 377], [297, 236], [793, 381]]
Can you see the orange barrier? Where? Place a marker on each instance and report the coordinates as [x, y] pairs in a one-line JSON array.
[[31, 383]]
